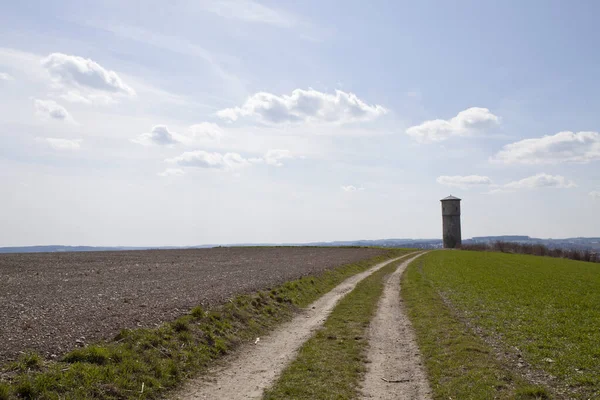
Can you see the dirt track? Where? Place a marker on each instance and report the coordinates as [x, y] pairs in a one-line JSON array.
[[394, 371], [48, 301], [252, 369]]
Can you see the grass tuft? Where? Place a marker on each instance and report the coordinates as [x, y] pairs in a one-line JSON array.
[[25, 389], [4, 391], [28, 361], [92, 354], [532, 393], [197, 312], [181, 324]]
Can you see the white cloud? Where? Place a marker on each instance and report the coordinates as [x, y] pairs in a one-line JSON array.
[[469, 122], [536, 182], [159, 135], [49, 109], [464, 181], [274, 156], [63, 144], [351, 188], [172, 172], [249, 11], [305, 106], [595, 194], [541, 181], [228, 161], [566, 146], [204, 159], [83, 79], [5, 77], [205, 130]]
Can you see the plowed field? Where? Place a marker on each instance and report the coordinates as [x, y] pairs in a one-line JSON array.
[[52, 302]]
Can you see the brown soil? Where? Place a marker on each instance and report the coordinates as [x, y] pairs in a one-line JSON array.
[[52, 302]]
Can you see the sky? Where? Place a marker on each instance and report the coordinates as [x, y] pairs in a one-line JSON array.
[[149, 123]]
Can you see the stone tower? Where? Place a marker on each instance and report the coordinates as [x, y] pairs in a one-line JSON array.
[[451, 222]]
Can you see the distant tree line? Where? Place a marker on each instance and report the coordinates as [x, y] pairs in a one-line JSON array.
[[534, 249]]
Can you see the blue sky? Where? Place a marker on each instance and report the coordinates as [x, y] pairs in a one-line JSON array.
[[190, 122]]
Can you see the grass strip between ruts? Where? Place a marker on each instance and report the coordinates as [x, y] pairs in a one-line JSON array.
[[331, 363], [460, 365], [144, 363]]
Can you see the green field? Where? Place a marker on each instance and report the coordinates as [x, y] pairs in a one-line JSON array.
[[506, 326]]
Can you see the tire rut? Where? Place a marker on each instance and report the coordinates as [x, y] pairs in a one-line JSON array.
[[253, 368], [395, 370]]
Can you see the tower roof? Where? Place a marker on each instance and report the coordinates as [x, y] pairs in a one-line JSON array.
[[450, 198]]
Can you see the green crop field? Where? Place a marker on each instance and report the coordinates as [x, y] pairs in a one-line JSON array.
[[525, 326]]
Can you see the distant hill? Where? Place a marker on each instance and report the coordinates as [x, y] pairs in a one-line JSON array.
[[415, 243], [62, 249], [579, 243], [506, 238]]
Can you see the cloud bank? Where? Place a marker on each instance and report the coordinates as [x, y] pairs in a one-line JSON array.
[[463, 182], [275, 156], [205, 130], [63, 144], [474, 120], [159, 135], [172, 172], [204, 159], [228, 161], [539, 181], [84, 80], [304, 106], [581, 147], [352, 188], [51, 110]]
